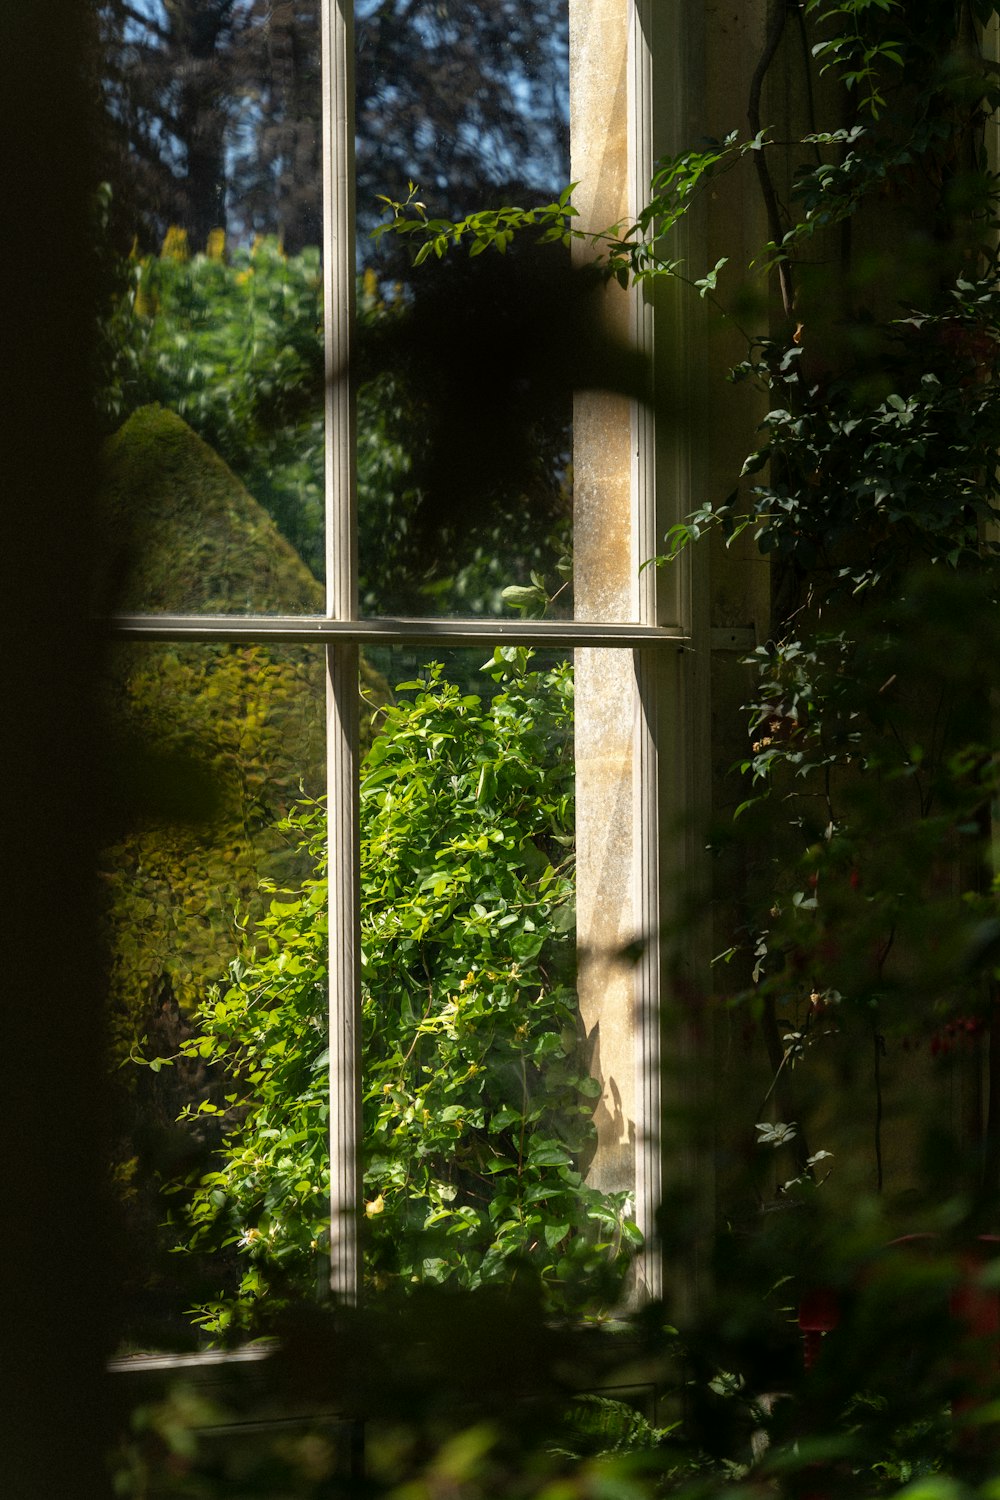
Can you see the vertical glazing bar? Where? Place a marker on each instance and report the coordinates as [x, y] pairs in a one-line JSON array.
[[648, 701], [338, 307], [647, 974], [640, 172], [345, 969], [342, 661]]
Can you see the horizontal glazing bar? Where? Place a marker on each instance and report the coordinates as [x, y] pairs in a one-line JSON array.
[[564, 634], [201, 1359]]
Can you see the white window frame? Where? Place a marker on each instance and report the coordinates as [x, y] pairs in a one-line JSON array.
[[667, 675]]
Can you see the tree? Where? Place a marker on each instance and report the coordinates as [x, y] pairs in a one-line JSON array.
[[214, 109], [462, 98], [221, 740], [170, 90]]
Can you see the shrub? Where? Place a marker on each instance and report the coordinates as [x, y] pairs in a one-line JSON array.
[[477, 1108], [232, 342]]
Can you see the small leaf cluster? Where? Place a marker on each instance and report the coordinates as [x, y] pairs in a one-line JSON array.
[[635, 252], [233, 343], [628, 251], [885, 466], [533, 600], [486, 229], [880, 466], [857, 53], [477, 1105]]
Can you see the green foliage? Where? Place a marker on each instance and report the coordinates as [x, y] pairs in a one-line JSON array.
[[856, 55], [232, 342], [885, 728], [214, 744], [868, 952], [866, 958], [172, 891], [183, 534], [197, 541], [486, 229], [627, 251], [897, 448], [234, 346], [477, 1106], [233, 732], [603, 1426], [869, 963]]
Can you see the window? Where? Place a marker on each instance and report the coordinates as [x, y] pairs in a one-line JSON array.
[[639, 689]]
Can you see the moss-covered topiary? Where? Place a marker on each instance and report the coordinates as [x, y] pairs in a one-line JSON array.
[[194, 537], [247, 721], [219, 741]]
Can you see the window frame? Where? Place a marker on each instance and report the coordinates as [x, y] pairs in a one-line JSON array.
[[665, 671]]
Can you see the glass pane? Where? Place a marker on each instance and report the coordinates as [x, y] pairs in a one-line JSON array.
[[464, 480], [224, 741], [210, 226], [478, 1103]]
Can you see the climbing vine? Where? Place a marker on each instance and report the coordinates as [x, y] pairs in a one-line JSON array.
[[874, 491]]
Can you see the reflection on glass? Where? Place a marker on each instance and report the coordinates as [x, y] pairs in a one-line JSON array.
[[214, 116], [211, 228], [464, 483], [469, 101]]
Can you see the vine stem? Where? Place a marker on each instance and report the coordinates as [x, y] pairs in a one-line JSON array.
[[417, 1034], [991, 1163], [879, 1045], [777, 1057], [520, 1143], [879, 1041], [775, 31]]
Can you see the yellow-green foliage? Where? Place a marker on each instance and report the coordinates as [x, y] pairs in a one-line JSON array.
[[196, 540], [235, 731]]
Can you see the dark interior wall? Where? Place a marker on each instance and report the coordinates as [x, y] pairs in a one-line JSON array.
[[54, 1249]]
